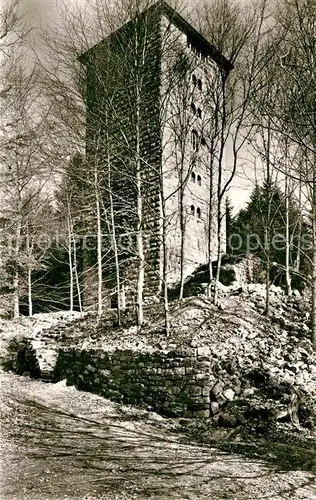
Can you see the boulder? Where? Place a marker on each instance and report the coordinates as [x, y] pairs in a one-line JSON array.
[[248, 392], [226, 420], [218, 387], [221, 399], [229, 394], [214, 407]]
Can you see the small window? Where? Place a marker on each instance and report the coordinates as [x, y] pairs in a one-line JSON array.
[[203, 141], [199, 113], [195, 140], [199, 180], [194, 80], [193, 177], [198, 213], [193, 108], [192, 210], [199, 84]]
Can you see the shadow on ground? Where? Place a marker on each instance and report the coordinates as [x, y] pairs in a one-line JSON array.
[[59, 443]]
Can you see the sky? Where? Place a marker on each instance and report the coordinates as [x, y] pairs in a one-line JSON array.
[[35, 10]]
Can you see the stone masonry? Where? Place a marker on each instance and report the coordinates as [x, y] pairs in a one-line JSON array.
[[178, 184], [175, 383]]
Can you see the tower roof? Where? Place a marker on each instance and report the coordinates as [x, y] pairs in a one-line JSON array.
[[163, 8]]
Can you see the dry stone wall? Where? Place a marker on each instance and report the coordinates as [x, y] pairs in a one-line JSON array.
[[175, 383]]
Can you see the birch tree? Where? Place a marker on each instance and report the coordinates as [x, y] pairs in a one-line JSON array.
[[293, 111], [23, 172], [240, 33]]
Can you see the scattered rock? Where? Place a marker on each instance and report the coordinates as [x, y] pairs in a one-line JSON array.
[[229, 394], [248, 392], [214, 407], [225, 420], [218, 387]]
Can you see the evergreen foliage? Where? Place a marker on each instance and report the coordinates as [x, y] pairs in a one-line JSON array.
[[261, 228]]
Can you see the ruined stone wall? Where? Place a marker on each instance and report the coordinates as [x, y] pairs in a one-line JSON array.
[[247, 270], [176, 383]]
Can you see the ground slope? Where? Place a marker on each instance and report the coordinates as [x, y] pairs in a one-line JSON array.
[[59, 443]]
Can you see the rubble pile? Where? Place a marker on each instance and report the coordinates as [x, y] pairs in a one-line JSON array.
[[39, 334], [263, 369]]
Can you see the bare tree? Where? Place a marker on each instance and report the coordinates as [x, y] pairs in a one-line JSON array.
[[23, 173], [241, 33], [292, 111]]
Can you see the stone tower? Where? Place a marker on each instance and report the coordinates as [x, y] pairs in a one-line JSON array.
[[149, 110]]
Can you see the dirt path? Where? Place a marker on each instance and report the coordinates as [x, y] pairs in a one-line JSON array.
[[58, 443]]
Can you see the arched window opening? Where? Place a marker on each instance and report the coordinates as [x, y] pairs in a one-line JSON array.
[[193, 108], [199, 84], [199, 180], [194, 80], [192, 210], [198, 213], [193, 177], [203, 141], [199, 113], [195, 140]]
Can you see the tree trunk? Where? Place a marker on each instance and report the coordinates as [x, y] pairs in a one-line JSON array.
[[29, 272], [123, 298], [140, 249], [139, 203], [267, 245], [314, 259], [314, 288], [314, 283], [114, 243], [99, 244], [165, 259], [210, 228], [16, 279], [220, 189], [166, 299], [29, 283], [300, 225], [71, 277], [16, 306], [219, 256], [267, 242], [76, 276], [182, 229], [117, 267], [287, 234]]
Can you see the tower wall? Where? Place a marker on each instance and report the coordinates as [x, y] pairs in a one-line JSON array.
[[186, 166], [143, 84]]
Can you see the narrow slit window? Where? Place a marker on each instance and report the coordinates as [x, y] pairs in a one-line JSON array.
[[198, 213], [199, 113], [194, 80], [199, 84], [193, 108], [192, 210], [193, 177], [203, 141], [195, 140]]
